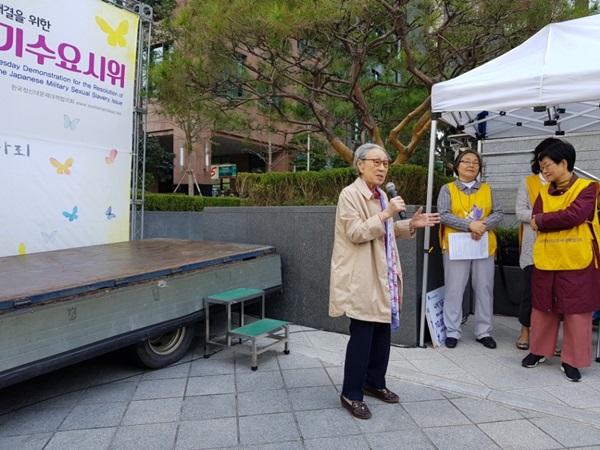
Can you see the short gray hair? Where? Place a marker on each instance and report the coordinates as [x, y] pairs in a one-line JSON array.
[[361, 153]]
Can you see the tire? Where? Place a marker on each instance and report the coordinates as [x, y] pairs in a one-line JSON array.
[[166, 348]]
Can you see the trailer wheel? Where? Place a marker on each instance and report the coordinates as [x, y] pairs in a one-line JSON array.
[[166, 348]]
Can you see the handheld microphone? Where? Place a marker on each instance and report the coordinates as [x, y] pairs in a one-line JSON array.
[[391, 189]]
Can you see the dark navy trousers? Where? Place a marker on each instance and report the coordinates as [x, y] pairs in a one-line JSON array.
[[367, 357]]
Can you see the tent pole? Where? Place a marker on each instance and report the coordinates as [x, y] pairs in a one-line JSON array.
[[427, 230], [479, 152]]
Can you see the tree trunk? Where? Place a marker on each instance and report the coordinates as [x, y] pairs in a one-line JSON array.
[[190, 174], [342, 150]]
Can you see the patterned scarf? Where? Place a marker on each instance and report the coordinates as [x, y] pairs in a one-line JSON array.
[[390, 256]]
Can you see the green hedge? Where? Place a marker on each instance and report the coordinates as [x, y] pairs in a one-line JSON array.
[[182, 202], [507, 235], [299, 189], [323, 188]]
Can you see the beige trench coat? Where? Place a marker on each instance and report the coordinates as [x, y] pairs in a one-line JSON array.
[[358, 284]]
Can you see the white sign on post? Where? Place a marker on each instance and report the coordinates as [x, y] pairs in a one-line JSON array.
[[434, 312]]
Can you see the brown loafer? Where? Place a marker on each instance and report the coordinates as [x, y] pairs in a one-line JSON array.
[[356, 408], [382, 394]]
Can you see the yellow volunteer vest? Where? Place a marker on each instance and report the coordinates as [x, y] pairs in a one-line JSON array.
[[570, 249], [534, 184], [465, 206]]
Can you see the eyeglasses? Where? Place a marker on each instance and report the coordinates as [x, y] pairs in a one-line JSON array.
[[377, 162], [470, 163], [542, 168]]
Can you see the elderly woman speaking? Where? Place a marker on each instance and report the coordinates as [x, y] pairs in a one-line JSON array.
[[366, 278]]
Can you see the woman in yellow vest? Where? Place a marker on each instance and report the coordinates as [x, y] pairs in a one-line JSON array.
[[526, 195], [566, 278], [468, 206]]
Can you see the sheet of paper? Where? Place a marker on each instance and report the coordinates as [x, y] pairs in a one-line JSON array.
[[462, 246]]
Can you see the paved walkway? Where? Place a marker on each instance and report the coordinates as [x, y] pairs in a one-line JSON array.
[[463, 398]]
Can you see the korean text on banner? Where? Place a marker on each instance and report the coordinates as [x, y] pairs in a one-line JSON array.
[[67, 77]]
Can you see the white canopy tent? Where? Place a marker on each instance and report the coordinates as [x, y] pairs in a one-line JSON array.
[[549, 85]]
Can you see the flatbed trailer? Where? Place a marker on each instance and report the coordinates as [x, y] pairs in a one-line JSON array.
[[61, 307]]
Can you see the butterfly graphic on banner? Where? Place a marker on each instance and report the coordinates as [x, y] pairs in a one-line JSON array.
[[115, 37], [109, 213], [111, 156], [71, 215], [62, 168], [70, 123], [49, 238]]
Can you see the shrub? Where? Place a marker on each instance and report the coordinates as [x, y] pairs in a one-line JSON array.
[[182, 202], [507, 236], [507, 252], [300, 189], [323, 187]]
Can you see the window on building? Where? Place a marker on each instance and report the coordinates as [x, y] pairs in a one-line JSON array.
[[230, 87]]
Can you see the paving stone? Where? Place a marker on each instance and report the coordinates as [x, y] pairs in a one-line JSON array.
[[208, 407], [322, 397], [33, 420], [435, 413], [263, 402], [306, 377], [292, 402], [327, 423], [153, 389], [268, 429], [479, 410], [569, 433], [25, 442], [338, 443], [259, 381], [91, 439], [405, 439], [210, 433], [519, 434], [459, 438], [121, 391], [213, 384], [158, 436], [153, 411], [94, 415]]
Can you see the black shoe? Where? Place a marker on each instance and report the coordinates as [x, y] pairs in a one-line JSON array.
[[572, 373], [532, 360], [487, 341], [451, 342]]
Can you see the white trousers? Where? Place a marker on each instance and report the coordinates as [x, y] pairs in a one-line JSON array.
[[456, 276]]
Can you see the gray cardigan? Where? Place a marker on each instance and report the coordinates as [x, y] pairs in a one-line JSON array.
[[523, 212]]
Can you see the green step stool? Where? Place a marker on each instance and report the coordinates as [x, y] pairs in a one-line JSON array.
[[262, 328]]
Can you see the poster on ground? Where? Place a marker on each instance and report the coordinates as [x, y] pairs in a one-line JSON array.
[[67, 73], [434, 313]]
